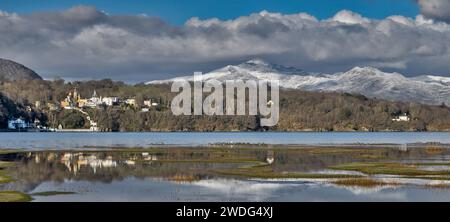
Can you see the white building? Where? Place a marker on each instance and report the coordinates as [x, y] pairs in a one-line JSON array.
[[150, 103], [270, 157], [147, 103], [110, 101], [93, 126], [402, 118], [18, 123]]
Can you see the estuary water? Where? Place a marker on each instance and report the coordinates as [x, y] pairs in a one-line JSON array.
[[189, 175], [39, 141], [182, 167], [232, 190]]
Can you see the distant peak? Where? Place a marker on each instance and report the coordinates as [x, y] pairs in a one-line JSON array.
[[366, 68], [261, 65], [372, 71], [257, 62]]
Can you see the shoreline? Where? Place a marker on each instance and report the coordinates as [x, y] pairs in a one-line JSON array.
[[275, 147], [224, 131]]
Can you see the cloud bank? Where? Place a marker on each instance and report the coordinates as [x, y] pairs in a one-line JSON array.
[[85, 43]]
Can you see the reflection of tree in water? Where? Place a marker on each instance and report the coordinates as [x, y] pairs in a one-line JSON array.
[[35, 168], [185, 165]]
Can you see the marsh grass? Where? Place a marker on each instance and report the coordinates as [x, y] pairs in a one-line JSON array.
[[183, 178], [14, 196], [389, 168], [4, 177], [362, 182], [237, 160], [52, 193], [343, 150], [438, 186], [434, 164], [5, 164]]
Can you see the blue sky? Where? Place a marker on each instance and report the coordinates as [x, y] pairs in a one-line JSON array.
[[178, 11]]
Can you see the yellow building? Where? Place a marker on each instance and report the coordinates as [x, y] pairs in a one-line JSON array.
[[65, 103], [131, 102], [82, 103]]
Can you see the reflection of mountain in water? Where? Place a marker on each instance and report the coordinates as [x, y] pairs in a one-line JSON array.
[[252, 190]]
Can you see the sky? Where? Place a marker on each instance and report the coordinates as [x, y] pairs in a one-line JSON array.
[[147, 40], [178, 11]]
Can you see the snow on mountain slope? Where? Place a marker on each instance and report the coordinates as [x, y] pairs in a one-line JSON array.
[[367, 81], [434, 79]]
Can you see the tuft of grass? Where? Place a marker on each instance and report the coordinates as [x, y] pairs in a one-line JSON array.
[[361, 182], [236, 160], [389, 168], [5, 178], [183, 178], [438, 186], [6, 151], [432, 177], [52, 193], [434, 164], [14, 196], [340, 150], [5, 164]]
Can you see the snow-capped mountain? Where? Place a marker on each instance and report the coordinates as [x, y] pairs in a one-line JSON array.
[[367, 81]]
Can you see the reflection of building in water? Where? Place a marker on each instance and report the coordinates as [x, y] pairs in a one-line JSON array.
[[433, 148], [51, 157], [74, 162], [37, 159], [130, 162], [270, 157], [403, 147], [149, 157]]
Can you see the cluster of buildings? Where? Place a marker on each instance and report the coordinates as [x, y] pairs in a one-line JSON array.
[[402, 118], [21, 124], [74, 100], [75, 162], [18, 123]]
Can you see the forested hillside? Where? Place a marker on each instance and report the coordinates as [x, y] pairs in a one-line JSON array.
[[10, 109], [299, 110]]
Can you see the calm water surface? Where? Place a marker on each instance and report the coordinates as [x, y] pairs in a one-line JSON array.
[[108, 140], [161, 176], [229, 190]]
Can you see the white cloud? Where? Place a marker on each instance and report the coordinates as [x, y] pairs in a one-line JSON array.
[[83, 42], [349, 17], [435, 9]]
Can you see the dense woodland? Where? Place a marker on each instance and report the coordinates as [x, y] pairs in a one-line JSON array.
[[299, 111], [9, 108]]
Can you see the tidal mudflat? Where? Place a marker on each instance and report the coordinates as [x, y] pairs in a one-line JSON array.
[[228, 173]]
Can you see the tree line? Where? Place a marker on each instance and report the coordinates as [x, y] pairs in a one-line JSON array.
[[299, 110]]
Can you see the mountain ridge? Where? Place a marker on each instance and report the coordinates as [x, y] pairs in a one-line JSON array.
[[368, 81]]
